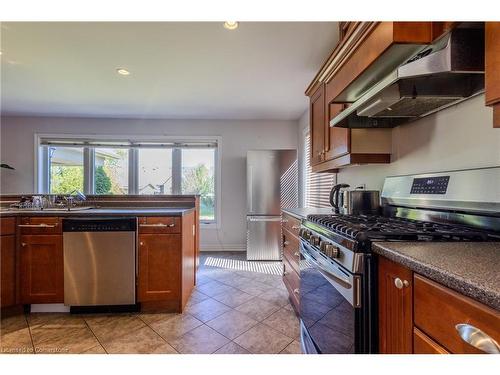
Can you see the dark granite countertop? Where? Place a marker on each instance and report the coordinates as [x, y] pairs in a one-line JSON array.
[[108, 211], [470, 268], [301, 213]]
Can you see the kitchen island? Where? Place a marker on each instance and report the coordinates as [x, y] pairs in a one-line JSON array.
[[165, 243]]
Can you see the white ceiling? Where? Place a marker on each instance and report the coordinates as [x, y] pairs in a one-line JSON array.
[[178, 70]]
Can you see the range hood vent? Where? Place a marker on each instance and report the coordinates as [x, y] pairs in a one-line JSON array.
[[445, 73]]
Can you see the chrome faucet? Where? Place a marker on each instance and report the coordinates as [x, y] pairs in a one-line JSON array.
[[79, 195], [70, 198]]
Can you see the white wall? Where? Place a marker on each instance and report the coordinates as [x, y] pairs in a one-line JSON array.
[[458, 137], [17, 149]]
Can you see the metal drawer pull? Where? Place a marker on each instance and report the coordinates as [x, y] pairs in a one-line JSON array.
[[284, 221], [477, 338], [297, 254], [401, 283], [296, 291], [296, 227], [43, 225], [285, 243], [23, 244], [158, 225]]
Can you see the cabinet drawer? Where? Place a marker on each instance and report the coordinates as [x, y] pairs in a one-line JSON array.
[[437, 310], [291, 249], [423, 344], [292, 282], [40, 225], [7, 226], [159, 225], [292, 224]]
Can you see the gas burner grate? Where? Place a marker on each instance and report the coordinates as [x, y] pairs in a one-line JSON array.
[[373, 227]]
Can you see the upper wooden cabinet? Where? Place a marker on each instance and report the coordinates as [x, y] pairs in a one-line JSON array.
[[492, 69], [317, 124]]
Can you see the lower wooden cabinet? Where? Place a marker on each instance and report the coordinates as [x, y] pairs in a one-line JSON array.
[[42, 269], [159, 267], [418, 315], [8, 270], [291, 257], [395, 308], [167, 262]]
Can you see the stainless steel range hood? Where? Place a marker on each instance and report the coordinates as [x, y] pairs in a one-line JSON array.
[[445, 73]]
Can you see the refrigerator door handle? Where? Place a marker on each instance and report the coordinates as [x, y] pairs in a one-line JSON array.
[[264, 218], [249, 188]]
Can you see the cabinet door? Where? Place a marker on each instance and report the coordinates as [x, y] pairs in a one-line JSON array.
[[8, 270], [395, 308], [338, 138], [42, 272], [492, 71], [317, 126], [159, 267]]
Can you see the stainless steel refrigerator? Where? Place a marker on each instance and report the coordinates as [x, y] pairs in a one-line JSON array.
[[272, 180]]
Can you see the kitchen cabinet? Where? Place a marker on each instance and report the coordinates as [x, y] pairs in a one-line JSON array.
[[361, 46], [159, 267], [318, 125], [166, 262], [8, 262], [395, 308], [42, 269], [492, 69], [420, 316], [291, 257]]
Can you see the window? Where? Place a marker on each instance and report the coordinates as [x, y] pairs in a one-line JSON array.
[[198, 177], [110, 170], [155, 171], [107, 166], [66, 169], [317, 185]]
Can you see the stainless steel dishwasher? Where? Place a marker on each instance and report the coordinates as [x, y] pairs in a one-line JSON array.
[[99, 261]]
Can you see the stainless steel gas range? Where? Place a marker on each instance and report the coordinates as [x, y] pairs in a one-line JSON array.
[[338, 301]]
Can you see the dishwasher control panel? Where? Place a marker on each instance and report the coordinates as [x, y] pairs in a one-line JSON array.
[[99, 224]]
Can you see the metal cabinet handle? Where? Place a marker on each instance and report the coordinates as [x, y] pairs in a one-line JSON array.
[[284, 221], [42, 225], [295, 226], [401, 283], [297, 254], [285, 243], [477, 338], [23, 244], [141, 243], [296, 291], [158, 225]]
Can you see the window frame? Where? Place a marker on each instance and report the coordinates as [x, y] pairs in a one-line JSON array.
[[42, 170]]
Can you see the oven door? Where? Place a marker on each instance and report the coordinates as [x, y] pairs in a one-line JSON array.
[[330, 305]]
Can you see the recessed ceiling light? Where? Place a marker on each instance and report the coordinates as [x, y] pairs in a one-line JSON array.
[[122, 71], [230, 25]]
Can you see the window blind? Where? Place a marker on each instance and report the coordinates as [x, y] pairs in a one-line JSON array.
[[318, 185], [62, 142]]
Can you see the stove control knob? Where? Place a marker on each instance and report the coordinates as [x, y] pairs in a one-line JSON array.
[[332, 251], [305, 234], [314, 240]]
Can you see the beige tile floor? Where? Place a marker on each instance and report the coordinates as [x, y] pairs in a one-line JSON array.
[[237, 307]]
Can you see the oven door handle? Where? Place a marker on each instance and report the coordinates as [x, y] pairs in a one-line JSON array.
[[327, 273]]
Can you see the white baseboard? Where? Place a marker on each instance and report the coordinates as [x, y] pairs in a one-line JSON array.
[[224, 247], [49, 307]]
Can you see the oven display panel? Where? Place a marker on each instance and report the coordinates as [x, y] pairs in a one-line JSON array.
[[430, 185]]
